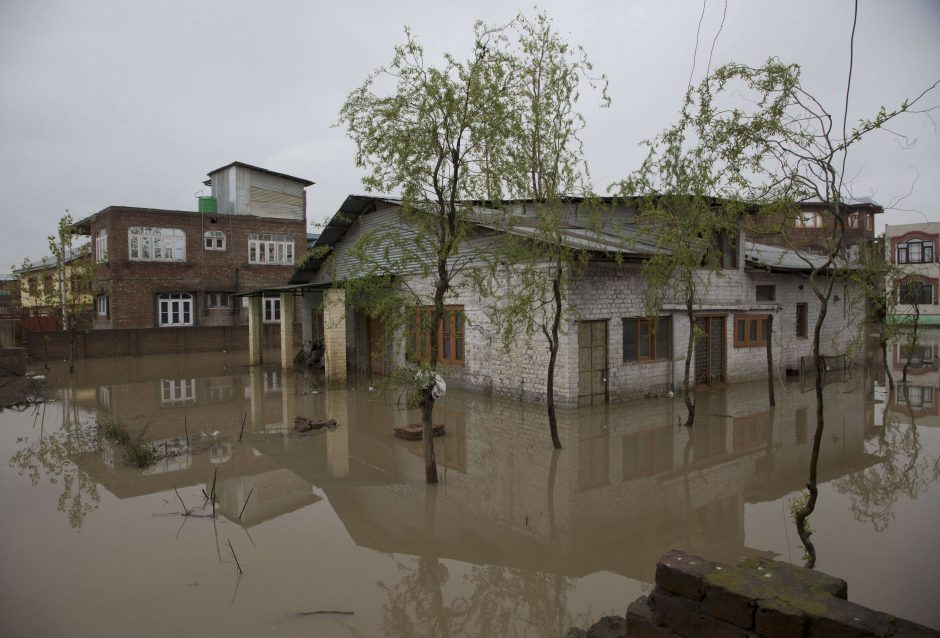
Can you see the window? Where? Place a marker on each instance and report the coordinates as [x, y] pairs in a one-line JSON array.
[[450, 336], [808, 219], [917, 395], [215, 300], [642, 341], [156, 244], [214, 240], [915, 251], [802, 311], [270, 249], [47, 285], [102, 304], [101, 245], [750, 331], [766, 293], [175, 309], [177, 391], [272, 310], [916, 292]]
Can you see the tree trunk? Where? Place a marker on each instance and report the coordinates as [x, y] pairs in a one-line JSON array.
[[552, 357], [803, 513], [427, 435], [912, 345], [770, 360], [887, 365], [689, 401], [72, 351]]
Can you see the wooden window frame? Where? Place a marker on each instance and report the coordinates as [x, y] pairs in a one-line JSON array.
[[652, 356], [760, 341], [453, 324]]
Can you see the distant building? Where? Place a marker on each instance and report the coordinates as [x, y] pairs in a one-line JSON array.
[[172, 268], [40, 287], [9, 293], [913, 247]]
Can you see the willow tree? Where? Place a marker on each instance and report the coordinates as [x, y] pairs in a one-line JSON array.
[[425, 132], [760, 137], [540, 167], [693, 232]]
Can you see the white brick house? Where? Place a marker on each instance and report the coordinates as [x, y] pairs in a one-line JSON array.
[[607, 351]]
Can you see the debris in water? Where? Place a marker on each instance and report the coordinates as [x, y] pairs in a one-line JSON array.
[[303, 424], [414, 431]]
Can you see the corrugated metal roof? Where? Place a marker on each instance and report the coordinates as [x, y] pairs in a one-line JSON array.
[[784, 259]]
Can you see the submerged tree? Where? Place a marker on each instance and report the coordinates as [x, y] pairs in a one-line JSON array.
[[428, 139], [540, 167]]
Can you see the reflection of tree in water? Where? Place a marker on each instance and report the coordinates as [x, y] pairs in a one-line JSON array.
[[502, 601], [903, 471], [50, 457]]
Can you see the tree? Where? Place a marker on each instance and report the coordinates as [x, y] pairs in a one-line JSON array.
[[541, 165], [67, 289], [430, 139], [756, 135]]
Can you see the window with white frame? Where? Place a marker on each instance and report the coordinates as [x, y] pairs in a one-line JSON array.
[[102, 305], [101, 245], [808, 219], [272, 309], [175, 309], [177, 391], [270, 249], [156, 244], [915, 251], [216, 300], [214, 240]]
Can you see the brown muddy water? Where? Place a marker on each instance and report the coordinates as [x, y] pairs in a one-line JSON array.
[[515, 541]]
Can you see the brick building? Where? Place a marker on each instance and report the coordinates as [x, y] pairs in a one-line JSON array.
[[913, 247], [173, 268]]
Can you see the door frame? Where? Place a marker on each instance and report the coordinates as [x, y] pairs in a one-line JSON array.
[[606, 369], [724, 350]]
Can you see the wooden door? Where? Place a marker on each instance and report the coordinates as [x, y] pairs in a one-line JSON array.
[[592, 362], [375, 345], [710, 351]]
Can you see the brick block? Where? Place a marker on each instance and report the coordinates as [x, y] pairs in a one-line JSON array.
[[729, 605], [682, 574], [843, 619], [687, 618], [908, 629], [775, 619]]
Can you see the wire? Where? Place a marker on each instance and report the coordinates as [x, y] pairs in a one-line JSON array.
[[848, 88], [695, 53], [724, 14]]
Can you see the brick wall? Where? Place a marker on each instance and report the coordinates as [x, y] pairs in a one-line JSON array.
[[90, 344], [758, 597], [134, 285]]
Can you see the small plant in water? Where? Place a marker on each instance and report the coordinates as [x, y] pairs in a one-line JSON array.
[[136, 453]]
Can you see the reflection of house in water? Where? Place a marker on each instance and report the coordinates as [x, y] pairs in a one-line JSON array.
[[919, 398], [628, 485]]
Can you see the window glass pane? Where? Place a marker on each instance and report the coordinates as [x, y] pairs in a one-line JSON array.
[[741, 332], [753, 328], [643, 340], [664, 338], [629, 339], [913, 250]]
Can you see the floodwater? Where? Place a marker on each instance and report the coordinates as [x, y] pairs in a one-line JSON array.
[[516, 540]]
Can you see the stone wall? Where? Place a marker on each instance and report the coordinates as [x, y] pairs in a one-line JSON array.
[[758, 597]]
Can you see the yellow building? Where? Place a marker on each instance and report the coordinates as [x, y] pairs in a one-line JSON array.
[[40, 285]]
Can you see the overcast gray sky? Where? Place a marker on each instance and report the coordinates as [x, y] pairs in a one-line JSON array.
[[120, 102]]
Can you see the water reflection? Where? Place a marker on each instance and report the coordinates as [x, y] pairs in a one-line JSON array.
[[500, 544]]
